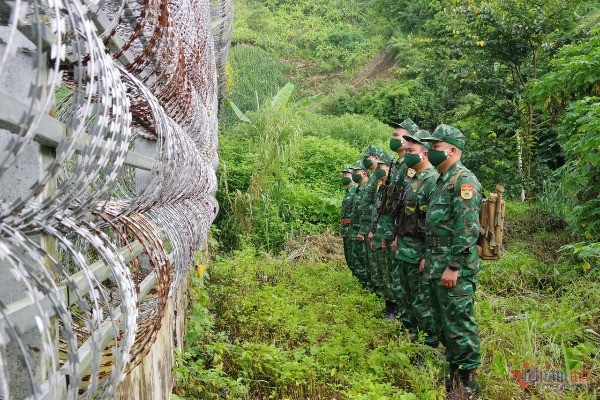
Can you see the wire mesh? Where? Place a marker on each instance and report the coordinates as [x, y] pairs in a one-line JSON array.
[[96, 246]]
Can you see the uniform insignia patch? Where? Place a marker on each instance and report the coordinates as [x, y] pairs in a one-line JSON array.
[[410, 172], [467, 192]]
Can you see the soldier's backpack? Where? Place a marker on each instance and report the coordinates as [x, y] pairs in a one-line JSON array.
[[491, 233], [491, 219]]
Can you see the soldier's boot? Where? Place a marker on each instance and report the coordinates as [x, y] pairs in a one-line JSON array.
[[466, 387], [469, 384], [452, 382], [391, 310]]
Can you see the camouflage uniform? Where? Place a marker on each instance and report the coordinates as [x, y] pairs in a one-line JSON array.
[[382, 228], [395, 190], [411, 249], [410, 231], [358, 249], [346, 229], [366, 207], [452, 228]]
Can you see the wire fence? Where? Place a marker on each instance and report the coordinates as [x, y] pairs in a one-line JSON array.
[[108, 151]]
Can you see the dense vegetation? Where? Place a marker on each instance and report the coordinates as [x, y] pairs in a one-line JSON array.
[[299, 326], [311, 83], [520, 78]]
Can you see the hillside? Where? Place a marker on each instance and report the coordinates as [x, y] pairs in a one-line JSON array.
[[278, 315]]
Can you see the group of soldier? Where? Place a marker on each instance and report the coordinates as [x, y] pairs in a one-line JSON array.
[[410, 226]]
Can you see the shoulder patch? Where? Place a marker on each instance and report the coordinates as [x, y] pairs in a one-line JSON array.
[[467, 191]]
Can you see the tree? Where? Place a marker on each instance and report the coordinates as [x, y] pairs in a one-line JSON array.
[[495, 47]]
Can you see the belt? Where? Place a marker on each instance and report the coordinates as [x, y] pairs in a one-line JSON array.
[[438, 241]]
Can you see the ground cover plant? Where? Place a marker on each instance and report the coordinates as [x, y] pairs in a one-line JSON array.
[[299, 326]]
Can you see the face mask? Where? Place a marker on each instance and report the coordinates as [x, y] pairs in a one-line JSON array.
[[412, 159], [357, 178], [379, 173], [346, 180], [367, 163], [436, 157], [395, 144]]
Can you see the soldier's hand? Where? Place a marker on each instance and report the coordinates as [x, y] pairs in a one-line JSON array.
[[395, 244], [422, 266], [449, 278], [383, 244], [360, 238], [370, 236]]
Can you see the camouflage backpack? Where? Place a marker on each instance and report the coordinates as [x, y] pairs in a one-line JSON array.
[[491, 219]]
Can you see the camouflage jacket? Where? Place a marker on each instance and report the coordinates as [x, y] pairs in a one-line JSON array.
[[452, 223], [366, 205], [387, 198], [411, 218], [355, 213], [347, 203]]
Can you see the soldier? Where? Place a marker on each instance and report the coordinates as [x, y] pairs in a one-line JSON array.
[[357, 247], [410, 233], [394, 190], [451, 263], [366, 208], [347, 202], [380, 238]]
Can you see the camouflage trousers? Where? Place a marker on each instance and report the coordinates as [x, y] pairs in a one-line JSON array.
[[419, 300], [454, 321], [348, 251], [382, 260], [400, 288], [372, 271], [358, 266]]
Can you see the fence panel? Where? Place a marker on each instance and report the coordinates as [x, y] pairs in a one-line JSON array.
[[108, 151]]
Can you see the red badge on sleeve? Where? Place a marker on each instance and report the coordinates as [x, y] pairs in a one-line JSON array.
[[467, 192]]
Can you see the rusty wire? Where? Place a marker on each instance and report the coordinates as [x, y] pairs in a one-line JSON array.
[[134, 75]]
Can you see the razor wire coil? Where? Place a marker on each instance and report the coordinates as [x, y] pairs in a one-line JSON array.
[[122, 97]]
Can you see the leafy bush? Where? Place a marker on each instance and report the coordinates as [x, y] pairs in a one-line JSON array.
[[280, 173], [390, 101], [570, 94]]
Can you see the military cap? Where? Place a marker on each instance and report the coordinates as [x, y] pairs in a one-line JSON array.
[[373, 150], [385, 158], [358, 165], [348, 169], [409, 125], [418, 136], [448, 134]]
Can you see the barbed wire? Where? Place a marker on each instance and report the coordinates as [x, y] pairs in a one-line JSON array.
[[95, 245]]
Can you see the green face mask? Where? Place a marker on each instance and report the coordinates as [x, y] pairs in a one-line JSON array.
[[395, 144], [436, 157], [357, 178], [346, 180], [379, 173], [411, 159], [367, 163]]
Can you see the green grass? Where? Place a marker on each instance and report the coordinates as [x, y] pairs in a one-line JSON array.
[[253, 76], [268, 327]]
